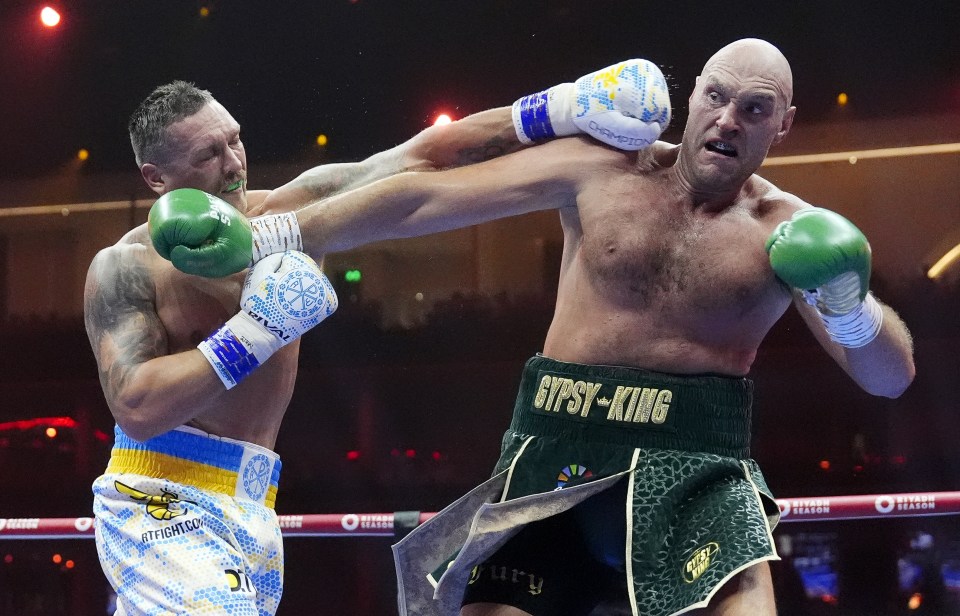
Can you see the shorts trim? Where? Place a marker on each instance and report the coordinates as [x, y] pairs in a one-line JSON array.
[[191, 457]]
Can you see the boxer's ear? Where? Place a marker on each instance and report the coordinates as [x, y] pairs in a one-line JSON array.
[[785, 124]]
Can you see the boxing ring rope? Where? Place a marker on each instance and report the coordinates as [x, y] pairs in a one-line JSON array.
[[397, 524]]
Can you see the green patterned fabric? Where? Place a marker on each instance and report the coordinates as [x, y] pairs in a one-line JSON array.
[[699, 508]]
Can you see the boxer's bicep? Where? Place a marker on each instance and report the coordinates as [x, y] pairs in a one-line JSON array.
[[121, 320]]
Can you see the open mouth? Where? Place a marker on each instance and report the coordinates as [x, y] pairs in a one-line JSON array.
[[722, 147]]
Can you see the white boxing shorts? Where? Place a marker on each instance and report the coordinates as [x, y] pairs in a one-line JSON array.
[[185, 525]]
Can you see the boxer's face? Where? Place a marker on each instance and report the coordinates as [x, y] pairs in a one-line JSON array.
[[204, 151], [738, 109]]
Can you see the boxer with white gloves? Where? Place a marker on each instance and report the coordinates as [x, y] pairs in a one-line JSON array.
[[626, 105], [284, 296], [178, 430]]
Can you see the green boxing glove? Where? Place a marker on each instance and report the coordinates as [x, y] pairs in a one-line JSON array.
[[205, 236], [827, 257], [199, 233]]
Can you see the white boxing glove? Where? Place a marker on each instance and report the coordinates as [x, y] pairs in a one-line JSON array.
[[626, 105], [284, 296]]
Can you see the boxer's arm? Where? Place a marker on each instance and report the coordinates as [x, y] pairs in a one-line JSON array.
[[626, 105], [884, 367], [416, 203], [827, 260], [148, 391], [478, 137]]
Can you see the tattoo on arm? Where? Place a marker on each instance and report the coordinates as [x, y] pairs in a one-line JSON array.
[[491, 149], [121, 319]]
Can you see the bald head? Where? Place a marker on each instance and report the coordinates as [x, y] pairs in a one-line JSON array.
[[751, 56]]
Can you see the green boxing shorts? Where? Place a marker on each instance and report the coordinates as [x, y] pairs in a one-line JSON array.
[[676, 506]]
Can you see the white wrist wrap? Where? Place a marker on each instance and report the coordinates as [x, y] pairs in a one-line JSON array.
[[858, 327], [238, 348], [275, 233]]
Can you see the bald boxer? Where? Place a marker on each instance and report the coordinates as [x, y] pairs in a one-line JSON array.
[[198, 372], [625, 476]]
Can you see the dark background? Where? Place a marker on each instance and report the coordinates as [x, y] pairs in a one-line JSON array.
[[370, 74]]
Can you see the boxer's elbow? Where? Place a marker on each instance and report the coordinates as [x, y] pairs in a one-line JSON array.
[[134, 417], [892, 385]]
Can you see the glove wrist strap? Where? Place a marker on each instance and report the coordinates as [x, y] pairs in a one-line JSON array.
[[857, 328], [544, 115], [238, 348], [275, 233]]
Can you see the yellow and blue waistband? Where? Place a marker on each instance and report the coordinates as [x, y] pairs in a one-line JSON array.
[[188, 456]]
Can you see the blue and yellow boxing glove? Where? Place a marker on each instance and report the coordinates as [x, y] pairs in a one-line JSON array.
[[626, 105], [828, 259], [284, 296], [204, 235]]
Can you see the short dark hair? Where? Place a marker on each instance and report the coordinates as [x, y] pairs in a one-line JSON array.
[[165, 105]]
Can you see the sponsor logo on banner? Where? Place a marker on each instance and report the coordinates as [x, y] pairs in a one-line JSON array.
[[352, 522], [905, 502], [83, 524], [803, 506], [291, 521], [19, 523]]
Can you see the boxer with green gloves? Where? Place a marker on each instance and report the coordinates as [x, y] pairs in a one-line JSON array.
[[827, 258]]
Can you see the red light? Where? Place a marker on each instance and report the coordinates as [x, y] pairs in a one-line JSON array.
[[49, 17], [411, 453], [436, 456], [8, 558], [353, 455], [825, 464], [858, 468], [69, 564], [57, 559], [915, 601], [27, 424], [898, 459]]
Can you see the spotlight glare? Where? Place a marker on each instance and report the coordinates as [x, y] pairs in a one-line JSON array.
[[442, 119], [49, 17]]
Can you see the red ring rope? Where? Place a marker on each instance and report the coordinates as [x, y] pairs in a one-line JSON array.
[[800, 509]]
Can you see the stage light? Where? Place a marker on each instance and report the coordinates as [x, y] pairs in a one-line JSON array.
[[57, 559], [51, 432], [442, 119], [321, 140], [943, 262], [916, 600], [83, 154], [353, 455], [353, 275], [49, 17], [825, 464]]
